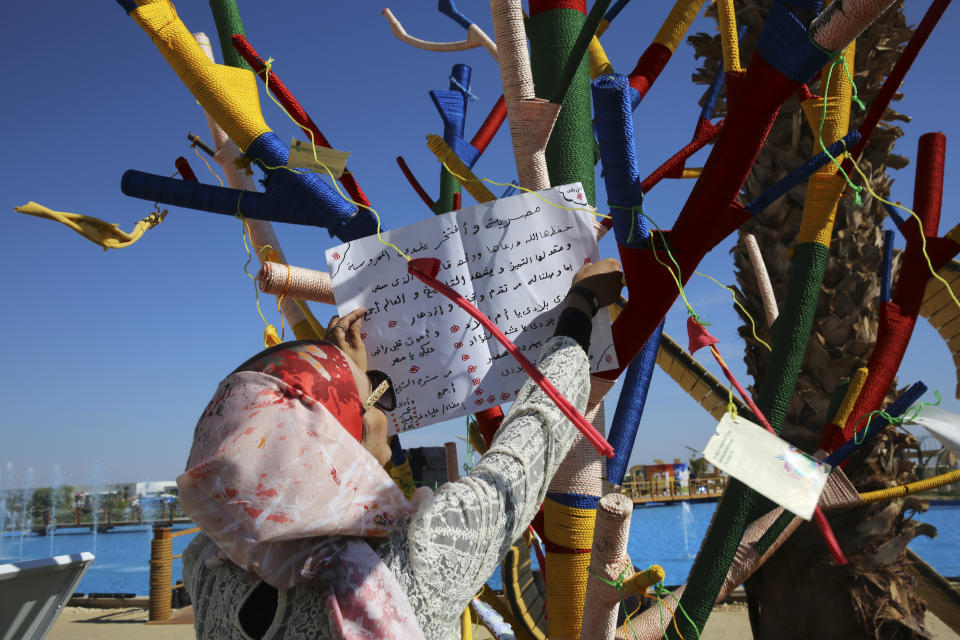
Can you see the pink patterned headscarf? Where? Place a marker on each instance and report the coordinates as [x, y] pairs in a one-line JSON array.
[[284, 491]]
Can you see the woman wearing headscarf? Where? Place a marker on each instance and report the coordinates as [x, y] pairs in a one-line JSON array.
[[304, 533]]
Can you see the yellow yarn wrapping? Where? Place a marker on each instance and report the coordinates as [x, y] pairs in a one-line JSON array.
[[599, 62], [850, 397], [466, 625], [911, 488], [837, 121], [228, 94], [569, 526], [105, 234], [270, 337], [402, 474], [820, 208], [728, 36], [573, 528], [826, 186], [642, 580], [677, 23], [691, 172], [458, 169], [566, 584]]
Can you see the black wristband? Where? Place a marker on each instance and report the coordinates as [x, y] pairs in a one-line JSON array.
[[588, 295], [574, 323]]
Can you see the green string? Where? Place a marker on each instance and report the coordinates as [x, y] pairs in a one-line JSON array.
[[907, 416], [637, 208], [856, 189], [661, 590], [618, 585], [678, 276]]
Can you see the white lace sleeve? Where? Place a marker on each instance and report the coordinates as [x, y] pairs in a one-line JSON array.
[[457, 540]]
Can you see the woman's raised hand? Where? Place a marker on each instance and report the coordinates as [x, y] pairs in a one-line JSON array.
[[345, 334], [603, 278]]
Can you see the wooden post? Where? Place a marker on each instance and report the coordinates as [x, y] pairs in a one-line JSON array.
[[161, 549]]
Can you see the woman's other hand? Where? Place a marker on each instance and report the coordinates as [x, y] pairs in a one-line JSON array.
[[345, 334], [603, 278]]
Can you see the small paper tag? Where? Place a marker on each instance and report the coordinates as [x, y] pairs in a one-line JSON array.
[[767, 464], [301, 156]]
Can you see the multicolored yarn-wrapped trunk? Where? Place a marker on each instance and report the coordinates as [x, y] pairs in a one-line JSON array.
[[569, 513], [261, 232], [553, 28]]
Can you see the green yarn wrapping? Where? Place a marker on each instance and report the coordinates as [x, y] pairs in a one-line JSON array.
[[570, 151], [791, 332], [228, 21], [448, 187], [740, 505]]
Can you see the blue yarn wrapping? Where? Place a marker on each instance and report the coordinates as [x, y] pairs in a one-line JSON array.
[[615, 10], [713, 93], [896, 409], [295, 198], [784, 43], [510, 190], [575, 500], [621, 173], [308, 193], [452, 105], [886, 265], [633, 397], [801, 173], [898, 220], [447, 8], [202, 197]]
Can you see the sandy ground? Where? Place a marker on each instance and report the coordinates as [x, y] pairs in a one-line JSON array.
[[728, 622]]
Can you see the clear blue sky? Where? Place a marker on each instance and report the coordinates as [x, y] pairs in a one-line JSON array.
[[111, 356]]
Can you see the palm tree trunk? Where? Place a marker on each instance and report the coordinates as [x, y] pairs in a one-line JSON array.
[[872, 596]]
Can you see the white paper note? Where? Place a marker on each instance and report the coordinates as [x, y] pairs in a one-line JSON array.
[[767, 464], [513, 258]]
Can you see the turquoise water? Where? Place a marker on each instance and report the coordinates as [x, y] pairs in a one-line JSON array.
[[666, 535]]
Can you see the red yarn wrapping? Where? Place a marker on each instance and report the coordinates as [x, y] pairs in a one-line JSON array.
[[414, 183], [892, 84], [899, 316], [700, 337], [425, 269], [183, 167], [539, 6], [710, 213], [457, 199], [293, 107], [928, 187], [649, 66], [673, 167], [489, 421], [490, 126]]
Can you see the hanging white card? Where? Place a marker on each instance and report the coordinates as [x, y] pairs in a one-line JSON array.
[[767, 464]]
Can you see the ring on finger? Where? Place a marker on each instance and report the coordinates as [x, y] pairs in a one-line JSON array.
[[338, 326]]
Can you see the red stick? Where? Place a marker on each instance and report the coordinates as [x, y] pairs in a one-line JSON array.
[[426, 270], [415, 183], [490, 126], [186, 172], [821, 520]]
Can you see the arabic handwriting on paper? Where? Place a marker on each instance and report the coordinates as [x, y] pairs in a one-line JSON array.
[[513, 258]]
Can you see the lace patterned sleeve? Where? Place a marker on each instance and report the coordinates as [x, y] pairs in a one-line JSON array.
[[457, 540]]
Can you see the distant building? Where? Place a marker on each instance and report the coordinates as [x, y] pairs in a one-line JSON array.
[[156, 488]]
